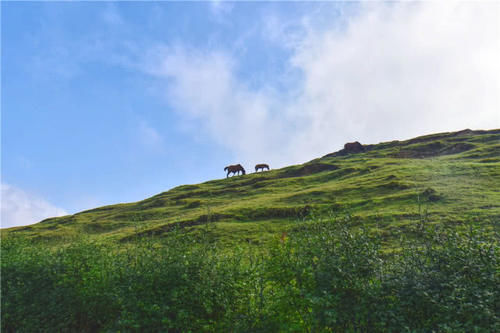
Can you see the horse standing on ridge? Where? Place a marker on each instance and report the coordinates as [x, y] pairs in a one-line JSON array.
[[261, 166], [235, 169]]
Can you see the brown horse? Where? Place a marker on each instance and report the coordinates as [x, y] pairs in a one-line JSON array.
[[261, 166], [234, 169]]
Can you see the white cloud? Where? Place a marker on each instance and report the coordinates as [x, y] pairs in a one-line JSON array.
[[21, 208], [390, 71], [204, 88], [149, 136], [401, 70]]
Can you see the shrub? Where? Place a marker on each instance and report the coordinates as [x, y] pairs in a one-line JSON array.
[[329, 273], [447, 282], [326, 275]]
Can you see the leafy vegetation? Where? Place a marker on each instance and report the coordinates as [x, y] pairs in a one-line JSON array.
[[401, 237], [324, 275]]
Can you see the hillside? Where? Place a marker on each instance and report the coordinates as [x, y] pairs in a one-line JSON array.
[[425, 260], [446, 177]]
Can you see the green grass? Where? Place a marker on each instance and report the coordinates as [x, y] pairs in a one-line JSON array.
[[403, 237], [451, 177], [325, 275]]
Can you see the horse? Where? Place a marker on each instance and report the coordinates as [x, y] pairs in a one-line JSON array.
[[234, 169], [261, 166]]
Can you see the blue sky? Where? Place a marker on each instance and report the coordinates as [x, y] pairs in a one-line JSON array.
[[108, 102]]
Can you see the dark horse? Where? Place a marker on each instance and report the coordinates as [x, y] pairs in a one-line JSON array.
[[234, 169], [261, 166]]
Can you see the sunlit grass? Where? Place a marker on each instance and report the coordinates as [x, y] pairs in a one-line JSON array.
[[453, 178]]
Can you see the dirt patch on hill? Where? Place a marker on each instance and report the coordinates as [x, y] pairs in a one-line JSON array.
[[202, 219], [307, 169], [274, 212], [187, 195], [439, 136], [457, 148], [432, 149], [393, 186], [431, 195], [255, 180]]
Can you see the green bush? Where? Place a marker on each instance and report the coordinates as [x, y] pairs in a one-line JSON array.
[[326, 275], [329, 274], [446, 282]]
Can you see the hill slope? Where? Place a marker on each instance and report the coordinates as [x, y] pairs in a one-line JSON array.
[[449, 177]]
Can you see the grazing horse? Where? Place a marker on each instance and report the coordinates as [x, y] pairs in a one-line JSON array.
[[261, 166], [234, 169]]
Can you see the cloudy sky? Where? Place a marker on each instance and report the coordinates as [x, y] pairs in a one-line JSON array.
[[114, 102]]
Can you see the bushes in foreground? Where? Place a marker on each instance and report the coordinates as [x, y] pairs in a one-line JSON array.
[[325, 276]]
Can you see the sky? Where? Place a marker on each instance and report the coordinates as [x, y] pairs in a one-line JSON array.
[[110, 102]]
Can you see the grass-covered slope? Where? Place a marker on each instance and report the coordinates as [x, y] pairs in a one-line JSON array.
[[326, 274], [448, 177]]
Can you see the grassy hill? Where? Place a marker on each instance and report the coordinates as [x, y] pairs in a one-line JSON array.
[[427, 259], [445, 178]]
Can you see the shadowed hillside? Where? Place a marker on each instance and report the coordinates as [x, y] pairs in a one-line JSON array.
[[445, 178]]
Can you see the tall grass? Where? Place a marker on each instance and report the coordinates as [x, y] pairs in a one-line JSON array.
[[326, 275]]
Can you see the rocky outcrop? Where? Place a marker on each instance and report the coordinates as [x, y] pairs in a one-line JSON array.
[[353, 147], [349, 148]]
